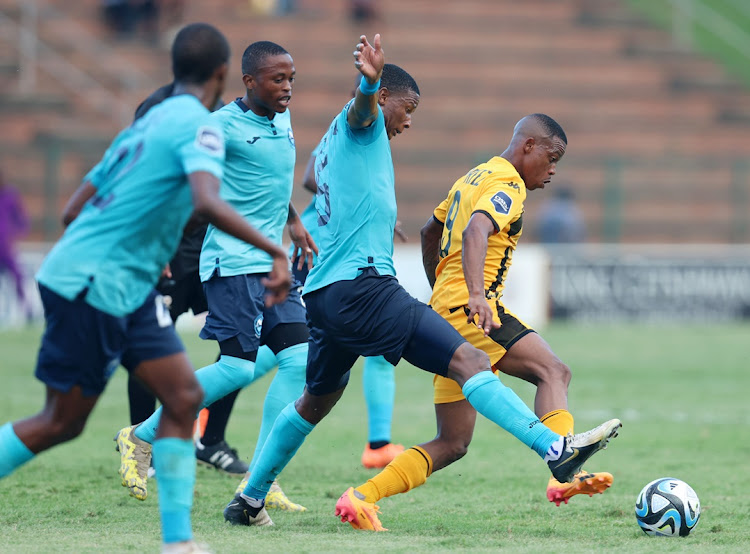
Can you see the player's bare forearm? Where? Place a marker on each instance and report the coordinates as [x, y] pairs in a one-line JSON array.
[[308, 180], [474, 252], [430, 235], [369, 60], [76, 202], [292, 216]]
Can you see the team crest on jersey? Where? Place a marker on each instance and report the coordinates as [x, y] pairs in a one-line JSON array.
[[210, 140], [258, 325], [290, 136], [502, 203]]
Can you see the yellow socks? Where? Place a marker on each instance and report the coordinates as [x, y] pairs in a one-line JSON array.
[[407, 471], [559, 421]]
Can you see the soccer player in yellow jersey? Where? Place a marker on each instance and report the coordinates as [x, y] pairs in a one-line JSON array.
[[467, 249]]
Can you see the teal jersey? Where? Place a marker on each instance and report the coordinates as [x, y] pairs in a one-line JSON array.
[[258, 178], [126, 234], [355, 203]]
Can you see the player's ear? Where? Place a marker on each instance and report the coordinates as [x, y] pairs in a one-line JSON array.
[[529, 144], [249, 81], [383, 95]]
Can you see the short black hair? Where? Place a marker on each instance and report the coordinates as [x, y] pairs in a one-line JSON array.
[[550, 126], [256, 54], [198, 50], [397, 80]]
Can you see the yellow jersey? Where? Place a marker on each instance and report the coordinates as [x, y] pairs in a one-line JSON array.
[[496, 190]]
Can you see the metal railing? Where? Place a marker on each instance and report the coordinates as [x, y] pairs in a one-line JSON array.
[[35, 56]]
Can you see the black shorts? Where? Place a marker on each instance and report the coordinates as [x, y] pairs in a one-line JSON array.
[[236, 308], [83, 346], [372, 315], [185, 294]]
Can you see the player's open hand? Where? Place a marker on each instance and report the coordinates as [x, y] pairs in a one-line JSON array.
[[278, 281], [304, 245], [480, 314], [369, 59], [399, 232]]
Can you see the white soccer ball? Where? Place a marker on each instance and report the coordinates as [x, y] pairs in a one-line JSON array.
[[667, 507]]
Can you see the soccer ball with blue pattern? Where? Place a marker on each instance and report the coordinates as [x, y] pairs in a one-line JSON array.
[[667, 507]]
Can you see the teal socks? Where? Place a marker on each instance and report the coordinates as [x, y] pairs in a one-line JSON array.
[[13, 452], [287, 435], [502, 405], [286, 387], [174, 461], [218, 380], [379, 386]]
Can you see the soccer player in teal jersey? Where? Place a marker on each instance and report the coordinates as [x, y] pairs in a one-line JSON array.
[[258, 179], [356, 307], [97, 283], [378, 376]]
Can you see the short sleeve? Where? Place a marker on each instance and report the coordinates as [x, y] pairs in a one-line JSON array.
[[441, 211], [367, 135], [501, 201], [203, 149]]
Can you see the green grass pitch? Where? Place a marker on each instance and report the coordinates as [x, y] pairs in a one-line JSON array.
[[681, 392]]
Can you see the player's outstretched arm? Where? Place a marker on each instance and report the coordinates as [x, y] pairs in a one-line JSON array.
[[474, 254], [76, 202], [431, 234], [208, 205], [369, 60]]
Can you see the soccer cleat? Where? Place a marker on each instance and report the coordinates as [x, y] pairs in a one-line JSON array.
[[221, 457], [580, 447], [135, 459], [360, 514], [583, 483], [380, 457], [241, 487], [238, 512], [184, 547], [277, 500]]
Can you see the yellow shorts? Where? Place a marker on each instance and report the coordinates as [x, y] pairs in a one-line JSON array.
[[495, 346]]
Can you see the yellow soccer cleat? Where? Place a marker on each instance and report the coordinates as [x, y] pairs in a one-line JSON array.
[[360, 514], [380, 457], [243, 484], [583, 483], [277, 500], [135, 459]]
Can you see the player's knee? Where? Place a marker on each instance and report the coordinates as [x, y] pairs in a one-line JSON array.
[[467, 361], [185, 401], [66, 427]]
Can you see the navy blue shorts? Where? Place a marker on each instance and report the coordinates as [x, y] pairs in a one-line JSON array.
[[83, 346], [372, 315], [236, 309]]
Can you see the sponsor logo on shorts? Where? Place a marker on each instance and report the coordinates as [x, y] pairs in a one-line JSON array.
[[258, 325], [502, 203]]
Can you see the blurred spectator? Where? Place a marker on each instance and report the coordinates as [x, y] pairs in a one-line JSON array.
[[362, 11], [559, 219], [124, 17], [13, 224]]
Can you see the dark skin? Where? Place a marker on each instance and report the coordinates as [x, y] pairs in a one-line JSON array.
[[467, 361], [171, 378], [268, 92], [535, 157]]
